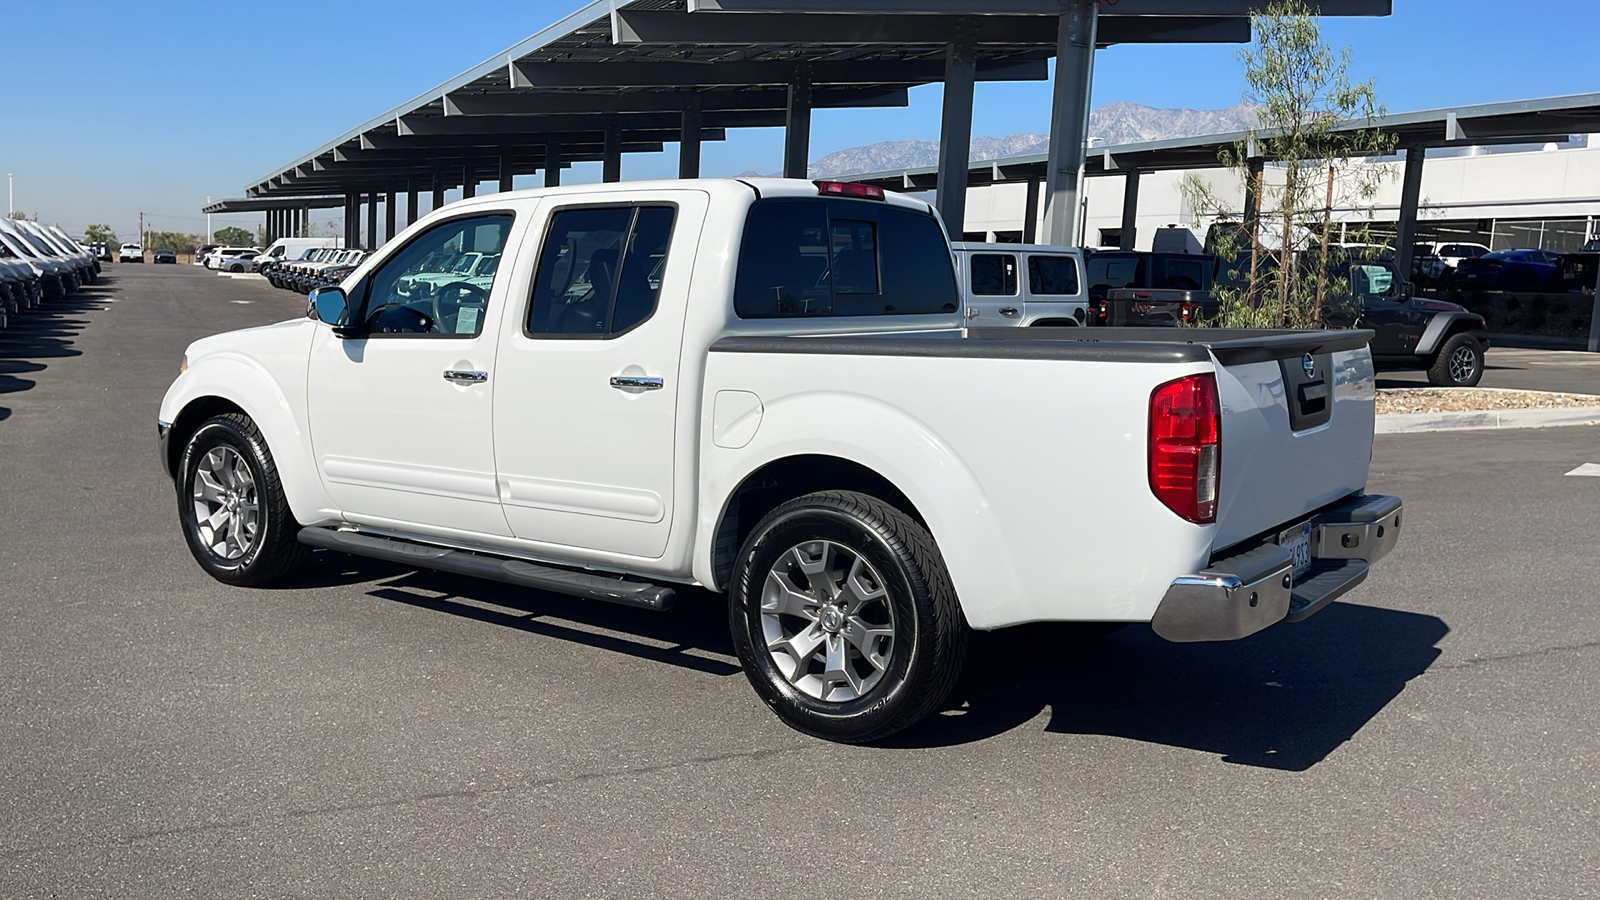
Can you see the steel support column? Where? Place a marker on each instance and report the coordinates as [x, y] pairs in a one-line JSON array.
[[1130, 209], [797, 125], [955, 135], [611, 155], [352, 220], [552, 164], [372, 222], [506, 171], [388, 217], [1410, 200], [1030, 213], [469, 180], [411, 202], [1069, 120], [689, 142], [438, 188]]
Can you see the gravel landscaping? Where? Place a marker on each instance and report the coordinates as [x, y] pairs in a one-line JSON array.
[[1393, 401]]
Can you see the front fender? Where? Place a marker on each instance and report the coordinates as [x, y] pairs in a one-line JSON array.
[[248, 384], [1443, 324], [898, 447]]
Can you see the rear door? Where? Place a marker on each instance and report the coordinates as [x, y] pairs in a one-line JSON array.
[[992, 288], [1055, 288], [587, 394]]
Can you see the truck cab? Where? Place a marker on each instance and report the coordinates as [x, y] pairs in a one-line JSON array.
[[1021, 284]]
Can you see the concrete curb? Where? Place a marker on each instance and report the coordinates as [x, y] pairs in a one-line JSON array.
[[1410, 423]]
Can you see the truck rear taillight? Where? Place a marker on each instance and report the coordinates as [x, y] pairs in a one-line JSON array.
[[849, 189], [1186, 447]]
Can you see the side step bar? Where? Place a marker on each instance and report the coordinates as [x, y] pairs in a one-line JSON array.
[[494, 568]]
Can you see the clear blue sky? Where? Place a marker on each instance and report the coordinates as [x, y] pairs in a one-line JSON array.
[[114, 109]]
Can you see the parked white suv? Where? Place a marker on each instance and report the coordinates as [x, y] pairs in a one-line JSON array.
[[762, 387], [130, 253], [219, 257]]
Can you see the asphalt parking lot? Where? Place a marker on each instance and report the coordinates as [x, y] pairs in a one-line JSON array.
[[370, 731], [1519, 369]]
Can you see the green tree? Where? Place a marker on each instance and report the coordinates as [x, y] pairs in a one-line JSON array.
[[171, 240], [99, 234], [234, 236], [1279, 264]]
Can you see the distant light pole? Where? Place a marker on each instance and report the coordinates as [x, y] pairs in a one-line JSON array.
[[11, 194], [208, 220]]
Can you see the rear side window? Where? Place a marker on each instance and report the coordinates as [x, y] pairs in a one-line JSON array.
[[802, 258], [993, 274], [1052, 276], [599, 270]]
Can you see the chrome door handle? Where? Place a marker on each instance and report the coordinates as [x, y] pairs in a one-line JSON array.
[[462, 376], [637, 383], [1008, 310]]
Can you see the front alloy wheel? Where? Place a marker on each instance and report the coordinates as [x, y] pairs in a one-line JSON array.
[[236, 519]]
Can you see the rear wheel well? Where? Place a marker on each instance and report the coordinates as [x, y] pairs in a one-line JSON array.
[[189, 421], [782, 480]]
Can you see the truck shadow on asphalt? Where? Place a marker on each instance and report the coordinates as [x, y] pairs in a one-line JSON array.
[[1285, 698], [692, 635], [43, 333], [1282, 699]]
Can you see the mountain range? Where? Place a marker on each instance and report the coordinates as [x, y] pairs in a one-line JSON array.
[[1114, 123]]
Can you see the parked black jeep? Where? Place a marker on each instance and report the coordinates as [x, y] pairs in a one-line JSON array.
[[1411, 332]]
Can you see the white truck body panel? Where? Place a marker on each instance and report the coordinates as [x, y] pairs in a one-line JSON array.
[[1030, 472]]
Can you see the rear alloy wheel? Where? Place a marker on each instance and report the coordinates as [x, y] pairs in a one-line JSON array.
[[235, 518], [1459, 363], [845, 618]]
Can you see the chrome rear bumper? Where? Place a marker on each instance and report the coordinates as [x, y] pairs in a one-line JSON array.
[[1242, 593]]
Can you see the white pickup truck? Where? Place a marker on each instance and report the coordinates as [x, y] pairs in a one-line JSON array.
[[763, 387]]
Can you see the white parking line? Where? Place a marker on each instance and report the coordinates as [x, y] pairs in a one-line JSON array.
[[1587, 469], [242, 302]]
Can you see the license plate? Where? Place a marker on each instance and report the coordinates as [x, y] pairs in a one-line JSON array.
[[1297, 541]]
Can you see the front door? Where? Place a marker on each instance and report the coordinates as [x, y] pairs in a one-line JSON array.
[[1384, 308], [586, 401], [401, 413], [993, 298]]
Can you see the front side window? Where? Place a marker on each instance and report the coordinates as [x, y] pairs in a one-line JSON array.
[[1052, 276], [994, 275], [802, 258], [1374, 282], [599, 270], [411, 294]]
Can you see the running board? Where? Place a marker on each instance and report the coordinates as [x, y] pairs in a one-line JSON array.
[[495, 568]]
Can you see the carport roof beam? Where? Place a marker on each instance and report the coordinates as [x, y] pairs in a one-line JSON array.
[[524, 103], [676, 28], [1026, 7], [676, 73]]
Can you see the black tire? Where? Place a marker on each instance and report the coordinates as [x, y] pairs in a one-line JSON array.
[[929, 641], [274, 553], [1459, 363]]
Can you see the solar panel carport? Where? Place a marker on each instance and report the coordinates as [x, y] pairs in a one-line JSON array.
[[619, 76], [1517, 122]]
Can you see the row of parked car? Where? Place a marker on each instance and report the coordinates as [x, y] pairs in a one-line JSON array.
[[38, 263], [313, 268]]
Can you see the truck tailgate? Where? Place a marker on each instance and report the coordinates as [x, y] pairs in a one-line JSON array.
[[1297, 416], [1296, 436]]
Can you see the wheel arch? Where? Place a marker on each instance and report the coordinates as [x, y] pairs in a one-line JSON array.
[[1445, 325], [224, 383], [888, 454], [783, 479]]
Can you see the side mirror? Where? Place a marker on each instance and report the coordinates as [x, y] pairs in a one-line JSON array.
[[329, 306], [1407, 290]]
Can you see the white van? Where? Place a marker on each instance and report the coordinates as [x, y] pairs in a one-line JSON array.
[[1021, 284], [293, 248]]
